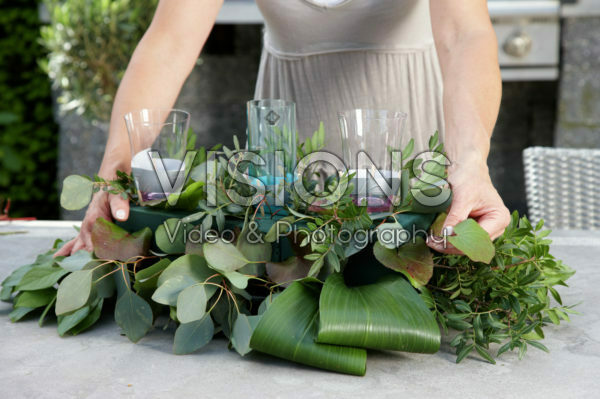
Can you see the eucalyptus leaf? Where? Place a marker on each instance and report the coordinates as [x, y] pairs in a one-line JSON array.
[[168, 291], [473, 241], [189, 337], [147, 279], [223, 256], [190, 197], [114, 243], [41, 277], [68, 321], [238, 280], [170, 236], [16, 276], [293, 268], [242, 332], [73, 292], [253, 248], [76, 192], [191, 303], [76, 261], [35, 299], [18, 313], [90, 319], [193, 266], [133, 315], [414, 260], [47, 309]]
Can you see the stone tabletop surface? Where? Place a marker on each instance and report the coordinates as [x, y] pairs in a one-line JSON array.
[[100, 363]]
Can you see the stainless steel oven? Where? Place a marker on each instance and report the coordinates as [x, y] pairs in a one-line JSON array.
[[528, 34], [528, 38]]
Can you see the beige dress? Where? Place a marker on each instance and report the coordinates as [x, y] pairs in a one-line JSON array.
[[352, 54]]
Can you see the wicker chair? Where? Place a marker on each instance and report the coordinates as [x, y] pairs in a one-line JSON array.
[[563, 187]]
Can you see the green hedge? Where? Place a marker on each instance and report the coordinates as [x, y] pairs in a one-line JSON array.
[[28, 134]]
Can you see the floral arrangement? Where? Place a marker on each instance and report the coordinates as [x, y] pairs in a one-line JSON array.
[[298, 281]]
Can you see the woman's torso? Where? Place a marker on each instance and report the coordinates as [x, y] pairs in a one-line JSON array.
[[359, 54]]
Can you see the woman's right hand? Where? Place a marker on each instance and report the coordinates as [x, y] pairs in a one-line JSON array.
[[103, 205]]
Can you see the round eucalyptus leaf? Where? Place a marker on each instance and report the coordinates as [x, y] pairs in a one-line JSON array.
[[76, 192], [190, 337], [223, 256], [133, 315], [170, 237], [74, 291], [191, 304]]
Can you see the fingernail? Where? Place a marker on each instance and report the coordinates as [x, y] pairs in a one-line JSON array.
[[121, 214], [448, 230]]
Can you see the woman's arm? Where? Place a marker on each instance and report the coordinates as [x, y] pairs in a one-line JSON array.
[[158, 68], [468, 54], [156, 72]]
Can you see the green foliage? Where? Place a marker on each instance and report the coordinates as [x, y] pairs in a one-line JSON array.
[[506, 301], [289, 330], [317, 308], [28, 134], [90, 43], [112, 242], [387, 315], [472, 240]]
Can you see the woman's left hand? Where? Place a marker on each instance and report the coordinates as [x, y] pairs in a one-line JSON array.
[[474, 196]]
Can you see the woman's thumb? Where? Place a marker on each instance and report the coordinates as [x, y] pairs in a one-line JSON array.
[[459, 211], [119, 207]]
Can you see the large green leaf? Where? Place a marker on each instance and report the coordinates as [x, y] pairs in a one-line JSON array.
[[74, 291], [389, 314], [193, 266], [249, 244], [413, 259], [190, 337], [191, 304], [41, 277], [242, 332], [238, 280], [146, 280], [18, 313], [170, 237], [67, 322], [35, 299], [223, 256], [189, 198], [76, 261], [169, 291], [293, 268], [112, 242], [133, 315], [104, 282], [76, 192], [184, 272], [473, 241], [90, 319], [288, 330]]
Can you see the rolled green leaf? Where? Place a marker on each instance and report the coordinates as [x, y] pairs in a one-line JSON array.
[[288, 330], [389, 314]]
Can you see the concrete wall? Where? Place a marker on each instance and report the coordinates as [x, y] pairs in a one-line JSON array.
[[579, 105]]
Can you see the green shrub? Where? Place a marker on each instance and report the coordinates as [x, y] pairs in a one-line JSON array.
[[90, 43], [28, 135]]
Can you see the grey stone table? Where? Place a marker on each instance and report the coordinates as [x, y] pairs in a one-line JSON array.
[[36, 362]]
